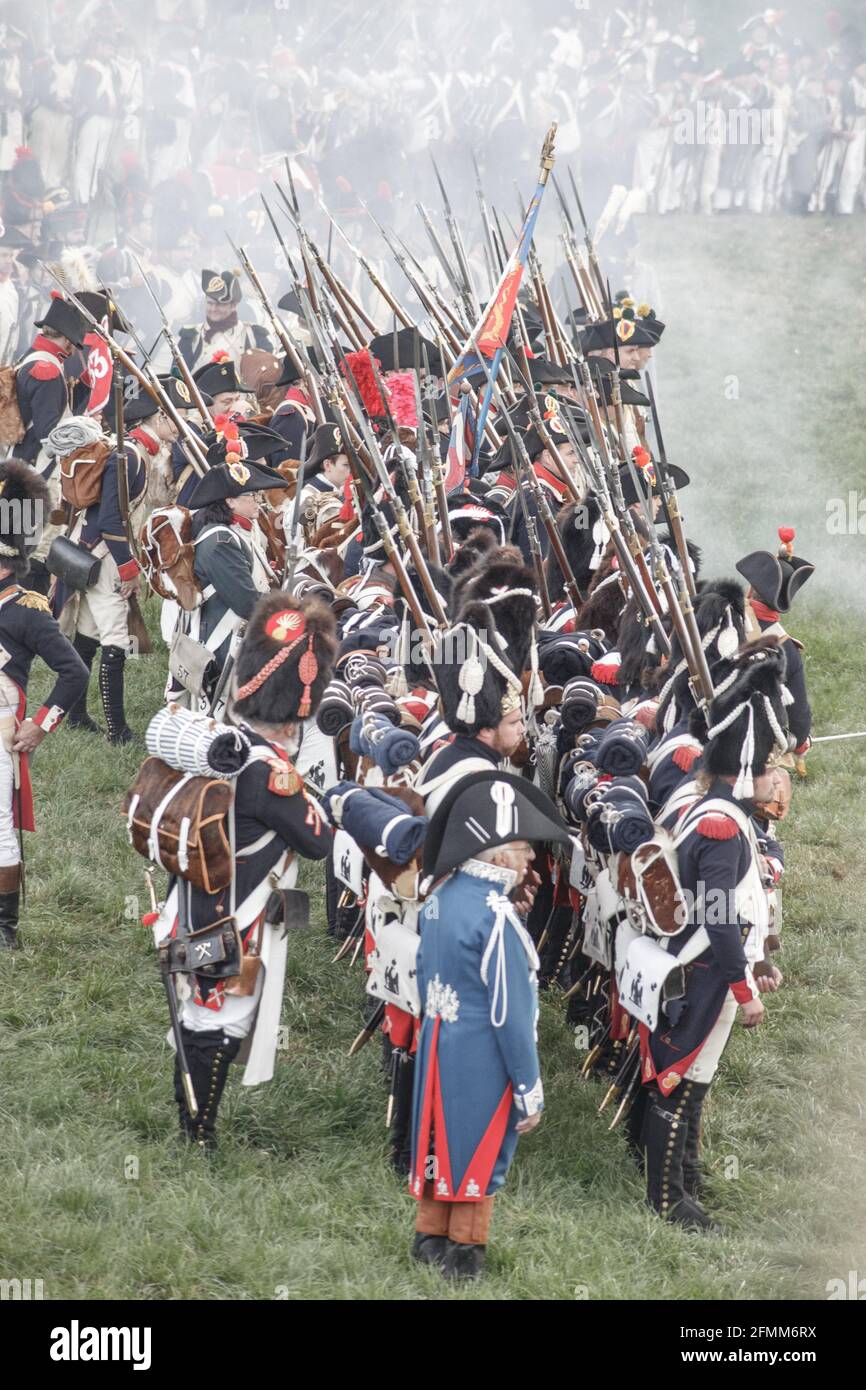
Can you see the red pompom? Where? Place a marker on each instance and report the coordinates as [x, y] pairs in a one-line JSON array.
[[23, 152], [55, 294], [220, 356], [220, 422], [786, 534]]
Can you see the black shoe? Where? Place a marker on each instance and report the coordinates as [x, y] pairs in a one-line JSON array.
[[111, 667], [429, 1250], [691, 1215], [401, 1123], [9, 939], [464, 1261]]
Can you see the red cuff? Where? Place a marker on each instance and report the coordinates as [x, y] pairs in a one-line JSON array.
[[804, 747], [742, 991], [48, 717], [129, 570]]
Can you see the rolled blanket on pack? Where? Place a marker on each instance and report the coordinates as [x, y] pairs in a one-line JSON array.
[[190, 742], [583, 780], [623, 748], [376, 820], [374, 736], [362, 669], [620, 820], [373, 700], [336, 710], [580, 701]]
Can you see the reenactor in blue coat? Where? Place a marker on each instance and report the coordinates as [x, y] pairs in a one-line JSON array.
[[477, 1077], [27, 630], [721, 868]]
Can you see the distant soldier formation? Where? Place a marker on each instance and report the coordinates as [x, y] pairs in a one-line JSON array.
[[433, 619]]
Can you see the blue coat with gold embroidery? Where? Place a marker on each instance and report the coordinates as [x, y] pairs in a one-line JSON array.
[[477, 1069]]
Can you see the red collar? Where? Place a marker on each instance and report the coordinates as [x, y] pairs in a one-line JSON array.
[[762, 612], [42, 344], [545, 475], [146, 440], [242, 521]]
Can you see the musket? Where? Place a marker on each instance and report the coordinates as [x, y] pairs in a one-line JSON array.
[[468, 295], [422, 456], [590, 244], [424, 298], [292, 549], [524, 467], [431, 291], [437, 474], [171, 997], [145, 377], [180, 360], [374, 279], [670, 502], [496, 264], [539, 422], [299, 359], [120, 453], [438, 249]]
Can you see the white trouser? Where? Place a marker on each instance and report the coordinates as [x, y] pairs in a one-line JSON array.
[[235, 1017], [10, 852], [100, 612], [706, 1064]]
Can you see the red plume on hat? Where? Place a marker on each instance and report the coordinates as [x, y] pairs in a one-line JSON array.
[[360, 364], [220, 355], [401, 396]]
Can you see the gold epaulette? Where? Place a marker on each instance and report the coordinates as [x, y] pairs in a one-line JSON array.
[[29, 598]]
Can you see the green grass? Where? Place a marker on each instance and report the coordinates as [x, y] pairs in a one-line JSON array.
[[300, 1202]]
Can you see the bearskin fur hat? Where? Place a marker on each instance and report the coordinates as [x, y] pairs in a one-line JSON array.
[[720, 608], [476, 685], [748, 718], [24, 507], [285, 661], [584, 537], [471, 550], [503, 582]]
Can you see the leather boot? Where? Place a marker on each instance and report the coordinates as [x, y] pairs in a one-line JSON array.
[[664, 1137], [209, 1056], [77, 716], [10, 890], [468, 1232], [634, 1127], [111, 666], [693, 1179], [401, 1124], [431, 1243]]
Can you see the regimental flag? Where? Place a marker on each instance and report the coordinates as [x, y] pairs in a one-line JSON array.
[[461, 444], [487, 339], [98, 372]]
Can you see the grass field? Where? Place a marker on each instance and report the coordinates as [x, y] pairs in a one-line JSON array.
[[100, 1201]]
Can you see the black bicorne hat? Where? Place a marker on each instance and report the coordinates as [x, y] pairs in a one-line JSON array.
[[776, 579], [63, 317], [629, 333], [222, 286], [397, 352], [224, 480], [285, 661], [483, 811], [101, 305], [327, 444], [179, 393], [219, 374]]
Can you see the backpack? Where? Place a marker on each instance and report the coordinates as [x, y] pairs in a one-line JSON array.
[[81, 474], [12, 427], [648, 879], [168, 556], [177, 811]]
